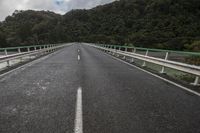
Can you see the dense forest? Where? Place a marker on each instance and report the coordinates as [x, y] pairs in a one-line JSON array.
[[166, 24]]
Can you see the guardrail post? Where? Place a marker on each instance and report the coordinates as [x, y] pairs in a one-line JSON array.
[[5, 52], [35, 48], [49, 50], [163, 68], [8, 63], [118, 50], [47, 47], [109, 47], [126, 49], [21, 59], [114, 47], [28, 48], [43, 48], [104, 46], [144, 63], [52, 48], [132, 60], [19, 50], [134, 51], [196, 82]]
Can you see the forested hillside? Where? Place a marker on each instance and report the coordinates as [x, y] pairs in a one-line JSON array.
[[168, 24]]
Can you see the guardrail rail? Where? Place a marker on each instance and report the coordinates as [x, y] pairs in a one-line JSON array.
[[164, 60], [24, 53]]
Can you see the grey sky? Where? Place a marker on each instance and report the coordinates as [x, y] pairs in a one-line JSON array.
[[7, 7]]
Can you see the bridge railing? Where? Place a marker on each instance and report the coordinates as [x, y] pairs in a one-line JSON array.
[[177, 60], [13, 55]]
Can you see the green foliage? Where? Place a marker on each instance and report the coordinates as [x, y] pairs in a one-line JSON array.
[[168, 24], [2, 39], [195, 46], [195, 60]]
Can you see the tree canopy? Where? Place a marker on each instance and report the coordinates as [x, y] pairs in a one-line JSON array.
[[168, 24]]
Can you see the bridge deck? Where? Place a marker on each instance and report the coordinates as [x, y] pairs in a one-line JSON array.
[[116, 98]]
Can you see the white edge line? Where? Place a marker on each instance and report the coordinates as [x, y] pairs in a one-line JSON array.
[[78, 118], [28, 64], [166, 80]]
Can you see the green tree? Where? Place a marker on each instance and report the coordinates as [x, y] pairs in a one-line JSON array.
[[3, 42]]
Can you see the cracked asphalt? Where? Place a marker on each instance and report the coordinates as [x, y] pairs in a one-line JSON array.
[[116, 98]]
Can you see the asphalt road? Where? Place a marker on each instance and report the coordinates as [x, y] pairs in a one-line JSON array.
[[116, 98]]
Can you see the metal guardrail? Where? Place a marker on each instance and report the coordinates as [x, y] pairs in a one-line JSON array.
[[15, 53], [163, 62]]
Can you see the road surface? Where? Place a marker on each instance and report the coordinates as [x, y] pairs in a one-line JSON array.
[[80, 89]]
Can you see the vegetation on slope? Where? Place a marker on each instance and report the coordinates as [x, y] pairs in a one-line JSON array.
[[168, 24]]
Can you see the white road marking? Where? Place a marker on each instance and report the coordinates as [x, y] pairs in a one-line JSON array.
[[79, 58], [166, 80], [79, 118]]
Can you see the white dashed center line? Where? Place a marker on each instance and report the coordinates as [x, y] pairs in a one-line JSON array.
[[79, 57], [79, 118]]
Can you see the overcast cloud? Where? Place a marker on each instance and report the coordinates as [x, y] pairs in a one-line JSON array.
[[7, 7]]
